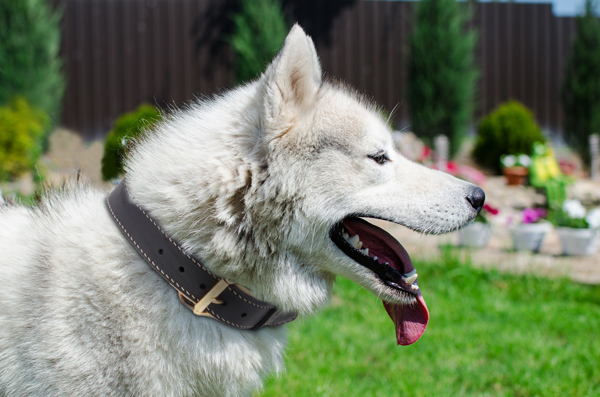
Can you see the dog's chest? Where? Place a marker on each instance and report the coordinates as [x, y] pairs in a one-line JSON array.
[[207, 358]]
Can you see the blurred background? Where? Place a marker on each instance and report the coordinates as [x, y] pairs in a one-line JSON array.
[[505, 94], [86, 63]]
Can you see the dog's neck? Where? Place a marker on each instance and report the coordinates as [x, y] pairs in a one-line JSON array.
[[248, 256], [224, 211], [199, 290]]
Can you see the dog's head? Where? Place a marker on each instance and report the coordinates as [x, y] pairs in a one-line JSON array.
[[332, 151], [268, 184]]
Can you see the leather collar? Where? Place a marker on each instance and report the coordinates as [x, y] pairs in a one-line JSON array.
[[201, 291]]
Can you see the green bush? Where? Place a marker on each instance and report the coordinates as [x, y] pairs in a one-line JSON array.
[[127, 127], [509, 129], [29, 55], [580, 91], [21, 132], [441, 71], [260, 31]]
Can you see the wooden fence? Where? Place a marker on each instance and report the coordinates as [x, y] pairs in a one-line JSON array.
[[120, 53]]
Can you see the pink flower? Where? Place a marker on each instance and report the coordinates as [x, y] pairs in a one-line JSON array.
[[532, 215], [425, 154], [490, 209], [452, 168]]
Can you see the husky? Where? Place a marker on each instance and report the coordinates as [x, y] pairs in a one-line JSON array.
[[268, 186]]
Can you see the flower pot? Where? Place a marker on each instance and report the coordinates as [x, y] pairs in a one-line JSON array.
[[529, 236], [475, 235], [578, 242], [515, 175]]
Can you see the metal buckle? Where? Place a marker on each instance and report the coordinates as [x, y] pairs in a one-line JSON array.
[[211, 296]]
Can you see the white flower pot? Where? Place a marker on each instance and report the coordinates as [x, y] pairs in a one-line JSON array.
[[578, 241], [529, 236], [476, 235]]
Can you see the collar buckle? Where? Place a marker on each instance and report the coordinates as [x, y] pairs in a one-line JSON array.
[[211, 296]]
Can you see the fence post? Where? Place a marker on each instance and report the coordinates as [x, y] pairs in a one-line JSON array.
[[441, 152], [594, 155]]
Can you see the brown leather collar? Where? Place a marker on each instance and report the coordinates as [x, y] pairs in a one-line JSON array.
[[199, 290]]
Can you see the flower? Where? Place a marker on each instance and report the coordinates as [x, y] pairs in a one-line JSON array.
[[524, 160], [452, 167], [490, 209], [512, 160], [426, 154], [533, 215], [465, 172], [573, 215], [593, 218], [574, 209], [509, 160]]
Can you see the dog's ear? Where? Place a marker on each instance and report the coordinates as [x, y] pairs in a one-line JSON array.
[[291, 81]]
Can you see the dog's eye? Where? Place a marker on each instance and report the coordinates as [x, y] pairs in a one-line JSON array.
[[380, 158]]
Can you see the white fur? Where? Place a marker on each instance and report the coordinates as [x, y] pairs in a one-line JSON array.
[[251, 182]]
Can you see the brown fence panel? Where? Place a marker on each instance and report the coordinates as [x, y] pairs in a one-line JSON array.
[[121, 53]]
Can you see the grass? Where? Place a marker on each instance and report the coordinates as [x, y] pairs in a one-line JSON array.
[[489, 334]]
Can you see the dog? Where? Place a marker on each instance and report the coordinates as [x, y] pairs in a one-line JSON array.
[[267, 186]]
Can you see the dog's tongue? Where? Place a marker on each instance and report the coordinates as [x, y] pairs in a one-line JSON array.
[[410, 320]]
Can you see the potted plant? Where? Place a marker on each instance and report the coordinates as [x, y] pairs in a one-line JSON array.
[[577, 228], [528, 235], [515, 168], [479, 231]]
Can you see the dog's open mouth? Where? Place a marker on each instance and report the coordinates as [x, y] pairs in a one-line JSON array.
[[375, 249]]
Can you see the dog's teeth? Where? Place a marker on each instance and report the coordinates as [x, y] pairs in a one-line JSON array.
[[354, 240], [346, 236], [375, 257], [411, 279], [414, 287], [365, 252], [359, 245]]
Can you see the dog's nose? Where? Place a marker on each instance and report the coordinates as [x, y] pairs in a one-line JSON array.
[[476, 198]]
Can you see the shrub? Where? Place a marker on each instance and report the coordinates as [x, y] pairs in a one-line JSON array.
[[21, 131], [509, 129], [127, 127], [580, 91], [29, 55], [441, 71], [260, 31]]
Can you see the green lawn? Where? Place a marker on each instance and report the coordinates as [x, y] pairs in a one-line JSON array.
[[489, 334]]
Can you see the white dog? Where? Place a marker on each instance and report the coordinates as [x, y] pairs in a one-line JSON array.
[[263, 185]]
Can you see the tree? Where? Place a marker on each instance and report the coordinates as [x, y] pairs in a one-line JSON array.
[[441, 71], [29, 63], [580, 91], [260, 30]]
